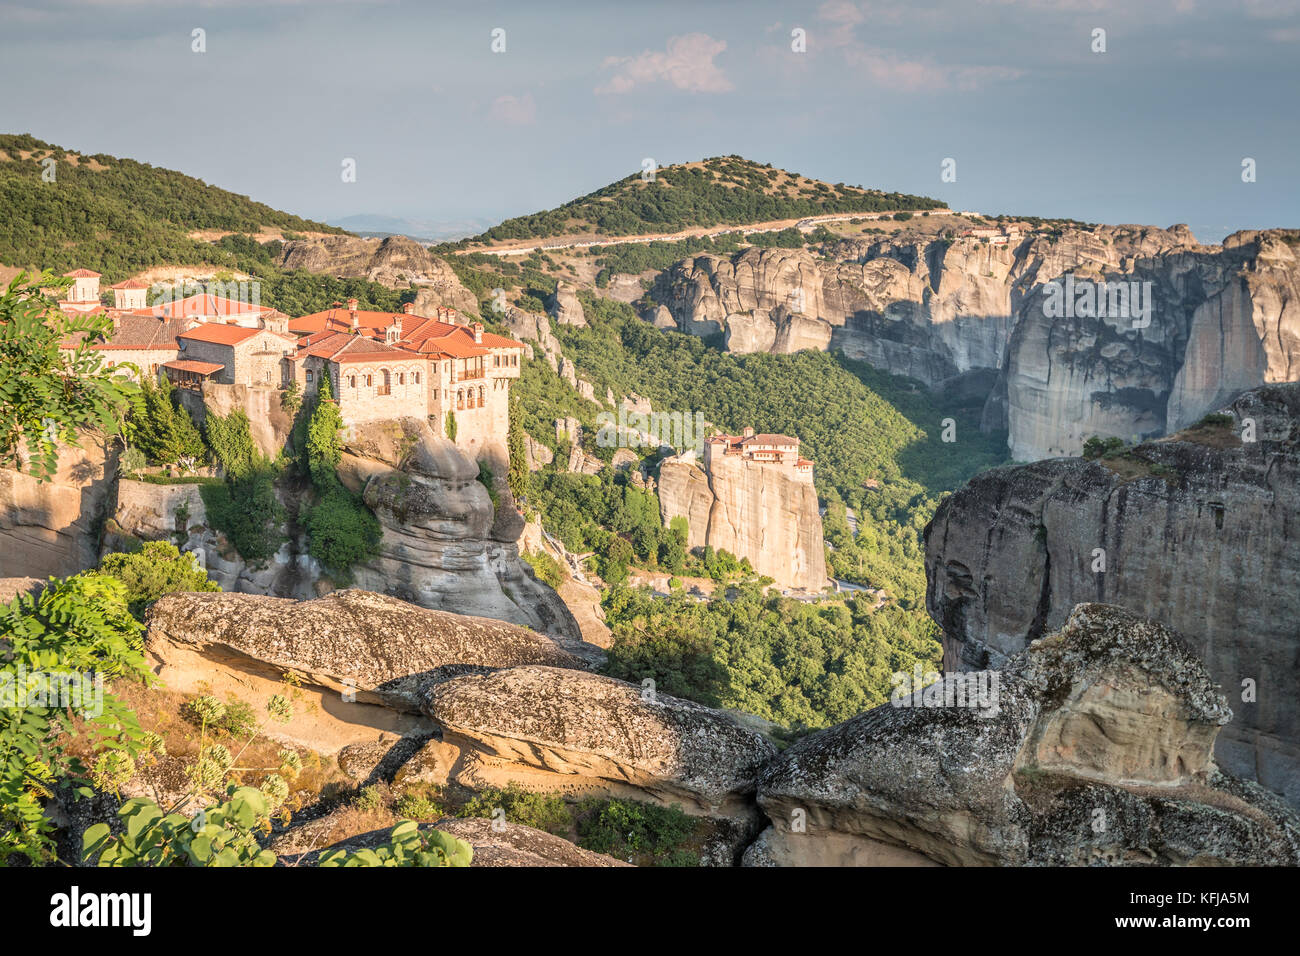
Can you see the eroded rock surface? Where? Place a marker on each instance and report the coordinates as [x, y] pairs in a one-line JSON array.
[[1198, 532], [387, 650], [558, 729], [1222, 319], [1096, 749]]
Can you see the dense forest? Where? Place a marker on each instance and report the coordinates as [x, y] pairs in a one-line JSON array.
[[116, 216], [725, 190]]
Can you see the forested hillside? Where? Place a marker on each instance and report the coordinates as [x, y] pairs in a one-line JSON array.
[[877, 441], [725, 190], [115, 216]]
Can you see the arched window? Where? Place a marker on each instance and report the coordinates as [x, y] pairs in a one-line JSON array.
[[417, 378], [352, 381], [460, 398], [369, 381], [386, 383], [482, 400], [401, 378]]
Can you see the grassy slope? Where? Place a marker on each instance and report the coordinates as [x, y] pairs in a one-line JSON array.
[[724, 190], [115, 216]]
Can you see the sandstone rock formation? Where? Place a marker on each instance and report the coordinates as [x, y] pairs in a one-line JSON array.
[[1223, 318], [395, 261], [1096, 751], [754, 510], [444, 543], [552, 728], [564, 305], [386, 650], [1197, 531], [49, 527]]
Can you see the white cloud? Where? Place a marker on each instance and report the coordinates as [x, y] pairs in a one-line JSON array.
[[687, 64], [514, 110]]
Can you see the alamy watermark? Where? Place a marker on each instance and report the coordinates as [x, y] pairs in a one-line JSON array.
[[244, 291], [974, 690], [1087, 298], [680, 430], [83, 693]]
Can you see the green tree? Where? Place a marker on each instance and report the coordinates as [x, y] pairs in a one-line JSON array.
[[450, 427], [518, 475], [231, 442], [48, 395], [163, 431], [324, 438], [158, 568]]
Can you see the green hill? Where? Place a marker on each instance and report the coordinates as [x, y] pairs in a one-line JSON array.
[[116, 216], [724, 190]]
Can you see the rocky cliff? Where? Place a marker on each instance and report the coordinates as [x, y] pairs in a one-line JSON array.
[[1197, 531], [757, 511], [1093, 749], [395, 262], [1222, 318], [51, 527]]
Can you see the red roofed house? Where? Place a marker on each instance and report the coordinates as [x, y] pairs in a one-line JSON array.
[[763, 448], [386, 365], [246, 356]]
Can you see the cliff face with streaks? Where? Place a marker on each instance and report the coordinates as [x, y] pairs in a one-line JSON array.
[[1197, 532], [1215, 320], [759, 511]]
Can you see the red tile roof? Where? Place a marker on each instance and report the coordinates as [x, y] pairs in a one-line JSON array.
[[144, 333], [81, 274], [131, 284], [188, 365], [219, 334], [768, 439]]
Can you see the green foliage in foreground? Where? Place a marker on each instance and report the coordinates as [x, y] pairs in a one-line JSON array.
[[541, 811], [49, 395], [158, 568], [798, 664], [76, 626]]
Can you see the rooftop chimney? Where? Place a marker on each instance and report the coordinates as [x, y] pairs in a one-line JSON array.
[[478, 331], [352, 309], [749, 432], [408, 307]]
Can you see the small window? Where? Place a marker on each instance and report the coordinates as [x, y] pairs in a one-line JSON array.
[[401, 378], [417, 378], [352, 381], [368, 381], [310, 379]]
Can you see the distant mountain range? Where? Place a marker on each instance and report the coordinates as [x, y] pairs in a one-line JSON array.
[[421, 230]]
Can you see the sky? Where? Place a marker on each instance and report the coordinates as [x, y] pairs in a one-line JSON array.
[[480, 111]]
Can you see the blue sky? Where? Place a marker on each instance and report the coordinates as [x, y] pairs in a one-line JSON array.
[[1154, 130]]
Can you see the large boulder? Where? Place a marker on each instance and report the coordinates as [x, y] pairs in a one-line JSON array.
[[1092, 746], [568, 730], [354, 662]]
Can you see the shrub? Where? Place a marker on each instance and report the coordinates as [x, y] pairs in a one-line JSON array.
[[342, 532], [231, 442], [248, 513], [541, 811], [414, 806], [1097, 447], [450, 426], [626, 828], [548, 570], [158, 568]]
